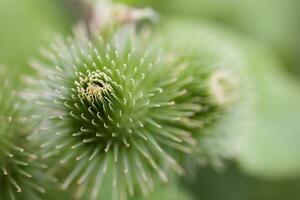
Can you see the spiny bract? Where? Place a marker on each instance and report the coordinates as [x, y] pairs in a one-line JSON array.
[[119, 102], [17, 165]]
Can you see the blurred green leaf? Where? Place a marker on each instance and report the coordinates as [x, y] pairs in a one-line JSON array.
[[235, 185], [273, 22], [25, 25], [272, 145]]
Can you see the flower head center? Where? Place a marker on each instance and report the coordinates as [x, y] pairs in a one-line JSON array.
[[94, 85]]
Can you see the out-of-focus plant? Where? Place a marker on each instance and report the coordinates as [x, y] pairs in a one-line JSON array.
[[222, 138], [24, 25], [273, 22], [234, 184], [18, 163], [275, 124]]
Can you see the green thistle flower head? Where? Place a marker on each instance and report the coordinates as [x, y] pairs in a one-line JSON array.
[[120, 102], [17, 164], [112, 103]]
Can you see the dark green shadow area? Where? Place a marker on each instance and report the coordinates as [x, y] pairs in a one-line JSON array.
[[234, 185]]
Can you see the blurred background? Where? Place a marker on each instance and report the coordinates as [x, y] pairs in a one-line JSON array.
[[268, 166]]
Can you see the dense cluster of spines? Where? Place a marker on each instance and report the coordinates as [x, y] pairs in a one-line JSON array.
[[118, 102], [17, 165]]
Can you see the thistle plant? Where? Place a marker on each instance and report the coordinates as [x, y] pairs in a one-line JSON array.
[[119, 105], [17, 164], [227, 97]]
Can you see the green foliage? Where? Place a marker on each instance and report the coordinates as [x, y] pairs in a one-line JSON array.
[[27, 24], [275, 125], [233, 184], [272, 22]]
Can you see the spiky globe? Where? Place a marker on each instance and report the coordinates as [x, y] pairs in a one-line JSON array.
[[17, 164], [119, 102], [227, 95]]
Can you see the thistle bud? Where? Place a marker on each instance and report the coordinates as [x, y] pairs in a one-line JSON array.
[[18, 165], [119, 104]]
